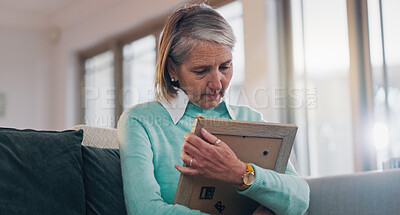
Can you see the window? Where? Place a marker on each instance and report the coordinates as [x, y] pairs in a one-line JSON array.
[[321, 73], [385, 60], [139, 71], [99, 91]]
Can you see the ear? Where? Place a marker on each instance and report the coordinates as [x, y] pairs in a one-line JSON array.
[[172, 70]]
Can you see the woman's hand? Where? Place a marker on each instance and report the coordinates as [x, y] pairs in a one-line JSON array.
[[211, 161]]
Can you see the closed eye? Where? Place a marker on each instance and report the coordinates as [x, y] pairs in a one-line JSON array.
[[200, 72], [225, 66]]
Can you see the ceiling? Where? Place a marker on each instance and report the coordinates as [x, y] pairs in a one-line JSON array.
[[44, 14], [36, 7]]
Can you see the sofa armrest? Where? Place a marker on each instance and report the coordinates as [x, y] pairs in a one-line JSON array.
[[376, 192], [98, 137]]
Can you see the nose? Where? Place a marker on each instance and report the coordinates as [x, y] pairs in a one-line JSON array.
[[214, 82]]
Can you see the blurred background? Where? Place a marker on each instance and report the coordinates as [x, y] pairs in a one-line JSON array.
[[330, 67]]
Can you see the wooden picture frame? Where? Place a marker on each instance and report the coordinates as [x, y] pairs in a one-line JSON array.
[[267, 145]]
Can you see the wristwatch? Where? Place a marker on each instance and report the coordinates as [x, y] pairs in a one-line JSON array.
[[248, 177]]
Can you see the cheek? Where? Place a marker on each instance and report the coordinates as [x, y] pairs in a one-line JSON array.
[[194, 88], [227, 80], [199, 88]]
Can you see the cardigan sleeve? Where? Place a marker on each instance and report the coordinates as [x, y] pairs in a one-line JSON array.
[[282, 193], [141, 190]]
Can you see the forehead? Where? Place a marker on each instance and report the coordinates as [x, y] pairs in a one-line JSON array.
[[208, 54]]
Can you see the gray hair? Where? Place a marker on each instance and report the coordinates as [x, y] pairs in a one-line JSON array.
[[185, 28]]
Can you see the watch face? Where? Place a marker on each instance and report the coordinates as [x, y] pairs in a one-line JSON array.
[[248, 178]]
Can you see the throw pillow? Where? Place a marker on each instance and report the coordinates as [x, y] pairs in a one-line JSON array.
[[103, 181], [41, 172]]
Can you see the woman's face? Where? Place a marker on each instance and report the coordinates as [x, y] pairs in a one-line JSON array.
[[205, 74]]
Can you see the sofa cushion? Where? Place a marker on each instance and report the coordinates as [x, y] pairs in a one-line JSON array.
[[41, 172], [103, 181], [366, 193]]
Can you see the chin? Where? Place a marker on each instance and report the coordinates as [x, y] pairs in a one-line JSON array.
[[209, 104]]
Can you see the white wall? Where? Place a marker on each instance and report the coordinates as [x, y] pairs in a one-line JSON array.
[[25, 62]]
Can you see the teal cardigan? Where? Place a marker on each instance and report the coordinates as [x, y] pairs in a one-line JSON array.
[[150, 146]]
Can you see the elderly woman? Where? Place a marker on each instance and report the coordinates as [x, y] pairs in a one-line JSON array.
[[194, 69]]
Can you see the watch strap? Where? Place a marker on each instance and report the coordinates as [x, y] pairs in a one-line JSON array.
[[249, 169]]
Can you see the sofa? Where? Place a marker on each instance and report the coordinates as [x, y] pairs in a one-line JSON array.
[[77, 171]]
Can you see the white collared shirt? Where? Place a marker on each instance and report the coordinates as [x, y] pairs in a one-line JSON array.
[[176, 108]]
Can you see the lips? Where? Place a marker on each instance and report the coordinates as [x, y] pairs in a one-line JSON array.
[[213, 96]]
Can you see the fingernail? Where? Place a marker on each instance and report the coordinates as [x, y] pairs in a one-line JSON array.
[[204, 130], [186, 136]]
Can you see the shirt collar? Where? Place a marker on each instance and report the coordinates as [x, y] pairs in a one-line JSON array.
[[176, 108]]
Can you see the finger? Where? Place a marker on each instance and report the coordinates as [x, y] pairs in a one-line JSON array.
[[186, 170], [186, 158], [211, 138], [196, 141], [208, 136], [191, 149]]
